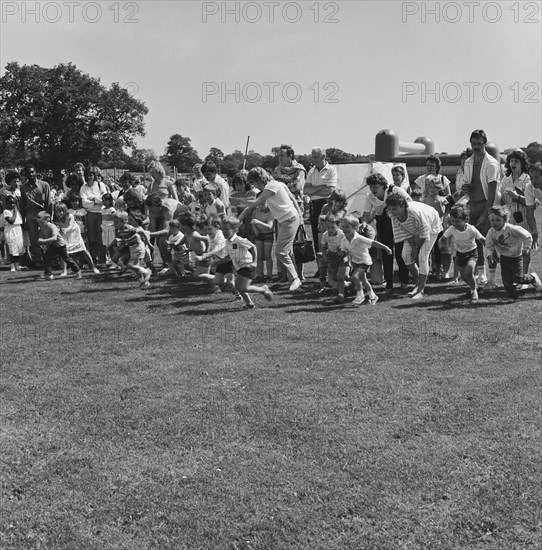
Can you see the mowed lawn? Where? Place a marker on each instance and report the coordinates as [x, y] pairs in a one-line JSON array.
[[170, 418]]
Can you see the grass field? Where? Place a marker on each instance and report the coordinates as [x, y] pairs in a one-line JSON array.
[[172, 419]]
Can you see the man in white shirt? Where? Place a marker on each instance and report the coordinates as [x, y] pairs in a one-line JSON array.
[[320, 182], [482, 174]]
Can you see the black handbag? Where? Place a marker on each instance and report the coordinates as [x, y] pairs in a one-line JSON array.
[[303, 249]]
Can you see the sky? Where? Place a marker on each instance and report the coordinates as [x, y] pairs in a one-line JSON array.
[[304, 73]]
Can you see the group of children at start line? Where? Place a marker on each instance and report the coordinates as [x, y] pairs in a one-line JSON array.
[[211, 249]]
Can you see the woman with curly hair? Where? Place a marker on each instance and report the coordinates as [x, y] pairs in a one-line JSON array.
[[161, 185], [512, 190]]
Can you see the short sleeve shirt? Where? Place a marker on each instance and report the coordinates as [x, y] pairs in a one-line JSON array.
[[238, 249], [358, 249], [464, 240], [332, 242]]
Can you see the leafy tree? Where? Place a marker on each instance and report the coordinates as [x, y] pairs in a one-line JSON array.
[[338, 155], [215, 155], [61, 116], [140, 159], [180, 153]]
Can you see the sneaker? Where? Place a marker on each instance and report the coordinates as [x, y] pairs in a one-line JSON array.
[[413, 292], [296, 283], [418, 296], [474, 296], [490, 285], [96, 271], [248, 306], [79, 274], [482, 280], [373, 301], [163, 271], [358, 300], [64, 274], [456, 282], [146, 278], [145, 284], [537, 282], [13, 269], [268, 295], [46, 277], [339, 299]]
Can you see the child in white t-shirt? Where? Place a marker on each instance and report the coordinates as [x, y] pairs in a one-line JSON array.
[[356, 247], [330, 258], [464, 237], [243, 256]]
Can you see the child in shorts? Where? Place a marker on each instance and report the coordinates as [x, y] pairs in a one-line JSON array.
[[262, 225], [464, 237], [135, 239], [243, 255], [356, 247], [330, 258]]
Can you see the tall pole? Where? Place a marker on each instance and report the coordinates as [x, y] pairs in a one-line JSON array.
[[246, 153]]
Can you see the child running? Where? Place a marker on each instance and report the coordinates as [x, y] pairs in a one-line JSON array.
[[134, 239], [243, 255], [179, 251], [196, 243], [330, 258], [356, 247], [49, 235], [464, 237], [509, 241], [217, 253]]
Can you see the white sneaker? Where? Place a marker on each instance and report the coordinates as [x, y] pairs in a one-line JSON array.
[[537, 282], [64, 274], [296, 283], [373, 301], [474, 296], [482, 280], [418, 296], [96, 270], [358, 300]]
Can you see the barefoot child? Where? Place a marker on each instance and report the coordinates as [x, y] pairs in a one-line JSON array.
[[134, 239], [356, 247], [509, 241], [464, 237], [243, 255], [49, 235]]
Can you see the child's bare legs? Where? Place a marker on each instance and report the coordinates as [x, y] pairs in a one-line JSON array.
[[244, 286], [365, 282], [259, 264], [446, 263], [268, 257], [355, 278], [341, 280]]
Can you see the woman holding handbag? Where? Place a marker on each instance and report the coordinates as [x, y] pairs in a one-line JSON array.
[[285, 210]]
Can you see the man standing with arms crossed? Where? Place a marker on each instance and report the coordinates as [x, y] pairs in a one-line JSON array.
[[482, 175], [319, 184]]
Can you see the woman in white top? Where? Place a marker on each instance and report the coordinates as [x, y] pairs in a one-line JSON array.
[[512, 189], [285, 210]]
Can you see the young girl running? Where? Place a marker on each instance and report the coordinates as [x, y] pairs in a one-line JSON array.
[[13, 232], [243, 255], [71, 232], [108, 228], [356, 247], [509, 241], [134, 238], [464, 237]]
